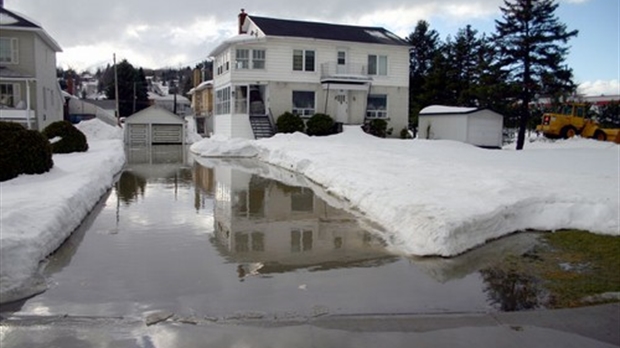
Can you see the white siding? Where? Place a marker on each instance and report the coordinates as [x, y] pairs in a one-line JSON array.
[[485, 129], [47, 88], [449, 127]]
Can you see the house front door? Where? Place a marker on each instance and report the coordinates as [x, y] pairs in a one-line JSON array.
[[342, 106]]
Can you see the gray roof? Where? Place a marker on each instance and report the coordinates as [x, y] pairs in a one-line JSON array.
[[8, 74], [326, 31]]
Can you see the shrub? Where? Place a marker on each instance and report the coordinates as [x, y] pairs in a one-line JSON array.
[[377, 128], [289, 123], [23, 151], [405, 134], [36, 152], [72, 139], [320, 124]]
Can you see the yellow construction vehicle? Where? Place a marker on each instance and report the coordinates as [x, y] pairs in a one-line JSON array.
[[570, 120]]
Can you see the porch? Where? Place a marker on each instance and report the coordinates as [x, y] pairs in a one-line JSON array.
[[25, 117]]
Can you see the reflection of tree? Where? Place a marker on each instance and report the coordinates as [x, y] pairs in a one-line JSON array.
[[511, 290], [129, 187]]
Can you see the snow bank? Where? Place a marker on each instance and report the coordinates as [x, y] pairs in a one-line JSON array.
[[38, 212], [445, 197]]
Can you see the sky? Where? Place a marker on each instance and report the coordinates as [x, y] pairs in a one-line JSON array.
[[156, 33], [409, 190]]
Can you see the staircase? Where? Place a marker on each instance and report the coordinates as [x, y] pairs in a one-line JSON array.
[[261, 126]]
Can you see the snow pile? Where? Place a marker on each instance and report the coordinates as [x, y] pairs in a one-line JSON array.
[[192, 135], [445, 197], [96, 129], [38, 212]]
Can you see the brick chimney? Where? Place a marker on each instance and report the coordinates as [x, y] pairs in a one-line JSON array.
[[241, 16]]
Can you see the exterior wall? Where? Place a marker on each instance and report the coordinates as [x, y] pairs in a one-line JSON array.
[[448, 127], [38, 60], [49, 96]]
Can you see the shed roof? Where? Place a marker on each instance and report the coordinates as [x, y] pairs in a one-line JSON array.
[[326, 31], [446, 110], [155, 114]]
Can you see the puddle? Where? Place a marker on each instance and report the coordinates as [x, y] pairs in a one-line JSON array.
[[229, 239]]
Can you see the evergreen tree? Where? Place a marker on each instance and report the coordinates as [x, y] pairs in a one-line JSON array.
[[131, 86], [424, 47], [528, 38], [142, 97]]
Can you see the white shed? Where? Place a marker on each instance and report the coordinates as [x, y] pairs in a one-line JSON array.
[[480, 127], [154, 125]]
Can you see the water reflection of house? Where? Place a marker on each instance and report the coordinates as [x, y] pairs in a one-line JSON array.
[[283, 227]]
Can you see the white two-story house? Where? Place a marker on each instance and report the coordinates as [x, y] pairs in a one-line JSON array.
[[29, 90], [354, 74]]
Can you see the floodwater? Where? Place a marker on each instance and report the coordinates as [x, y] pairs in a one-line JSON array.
[[226, 240]]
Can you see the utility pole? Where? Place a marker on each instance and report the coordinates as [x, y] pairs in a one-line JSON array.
[[118, 120]]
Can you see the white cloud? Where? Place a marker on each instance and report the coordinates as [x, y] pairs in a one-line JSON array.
[[600, 87]]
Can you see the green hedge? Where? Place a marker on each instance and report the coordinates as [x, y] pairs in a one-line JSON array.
[[320, 124], [72, 139], [290, 123], [23, 151]]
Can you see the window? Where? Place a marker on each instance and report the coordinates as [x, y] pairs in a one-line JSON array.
[[243, 59], [377, 65], [302, 200], [342, 57], [303, 103], [222, 101], [301, 240], [303, 60], [376, 106], [258, 59], [9, 95], [8, 50]]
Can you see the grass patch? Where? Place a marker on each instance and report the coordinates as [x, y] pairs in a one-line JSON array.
[[581, 264], [567, 269]]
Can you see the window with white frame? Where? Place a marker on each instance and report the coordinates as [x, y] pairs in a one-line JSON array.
[[249, 59], [303, 60], [303, 103], [376, 106], [222, 101], [258, 59], [242, 60], [9, 50], [10, 95], [377, 65]]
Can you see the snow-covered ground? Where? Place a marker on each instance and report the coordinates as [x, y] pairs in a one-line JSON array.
[[38, 212], [444, 197]]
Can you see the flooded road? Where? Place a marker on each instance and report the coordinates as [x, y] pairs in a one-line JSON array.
[[220, 240]]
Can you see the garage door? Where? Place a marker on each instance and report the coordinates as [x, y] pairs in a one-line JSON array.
[[138, 134], [167, 134]]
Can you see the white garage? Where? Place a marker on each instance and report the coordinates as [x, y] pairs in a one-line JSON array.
[[480, 127], [154, 125]]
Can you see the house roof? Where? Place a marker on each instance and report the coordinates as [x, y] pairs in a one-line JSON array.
[[7, 73], [17, 21], [326, 31]]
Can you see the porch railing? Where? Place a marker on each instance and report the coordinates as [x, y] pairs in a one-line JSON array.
[[19, 116]]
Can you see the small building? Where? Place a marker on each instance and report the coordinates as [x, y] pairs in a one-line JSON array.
[[154, 125], [480, 127]]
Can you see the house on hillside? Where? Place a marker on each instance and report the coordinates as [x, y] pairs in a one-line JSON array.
[[272, 66], [480, 127], [201, 96], [29, 91], [174, 103]]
